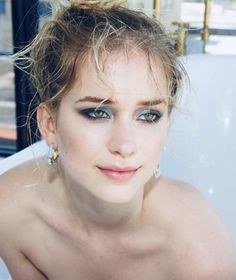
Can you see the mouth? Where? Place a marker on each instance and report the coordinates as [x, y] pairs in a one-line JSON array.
[[118, 174]]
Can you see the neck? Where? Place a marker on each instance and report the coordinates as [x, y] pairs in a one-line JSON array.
[[97, 215], [105, 216]]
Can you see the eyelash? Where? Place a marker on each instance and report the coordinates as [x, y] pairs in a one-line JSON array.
[[90, 113]]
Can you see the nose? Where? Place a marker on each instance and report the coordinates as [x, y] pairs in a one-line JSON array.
[[122, 140]]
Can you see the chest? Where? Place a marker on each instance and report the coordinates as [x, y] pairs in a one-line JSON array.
[[61, 258]]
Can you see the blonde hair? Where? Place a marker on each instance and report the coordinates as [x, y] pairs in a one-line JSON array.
[[75, 31]]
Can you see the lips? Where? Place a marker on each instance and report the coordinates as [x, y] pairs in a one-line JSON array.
[[118, 173]]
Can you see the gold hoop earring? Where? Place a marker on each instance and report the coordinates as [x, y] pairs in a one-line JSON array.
[[53, 155]]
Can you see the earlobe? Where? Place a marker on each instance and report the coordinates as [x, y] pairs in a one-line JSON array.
[[46, 123]]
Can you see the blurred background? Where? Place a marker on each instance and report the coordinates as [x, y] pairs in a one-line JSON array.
[[196, 26]]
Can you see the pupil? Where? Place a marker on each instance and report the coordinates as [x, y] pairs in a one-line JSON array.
[[99, 113], [149, 116]]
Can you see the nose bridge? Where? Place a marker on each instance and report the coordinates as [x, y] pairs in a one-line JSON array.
[[122, 139]]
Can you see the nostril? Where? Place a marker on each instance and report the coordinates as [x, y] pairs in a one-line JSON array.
[[122, 139], [123, 148]]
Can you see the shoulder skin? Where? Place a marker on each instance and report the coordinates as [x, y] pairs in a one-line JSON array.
[[206, 248]]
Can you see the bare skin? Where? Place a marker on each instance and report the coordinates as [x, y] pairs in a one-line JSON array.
[[70, 221], [178, 235]]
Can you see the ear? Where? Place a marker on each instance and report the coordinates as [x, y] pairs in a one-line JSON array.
[[46, 124]]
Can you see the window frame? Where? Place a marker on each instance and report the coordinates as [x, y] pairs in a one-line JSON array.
[[25, 18]]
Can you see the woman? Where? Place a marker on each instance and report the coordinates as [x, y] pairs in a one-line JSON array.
[[107, 79]]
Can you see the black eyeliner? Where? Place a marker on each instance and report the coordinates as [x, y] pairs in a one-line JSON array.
[[88, 112]]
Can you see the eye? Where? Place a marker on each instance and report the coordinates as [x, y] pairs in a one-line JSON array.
[[96, 113], [149, 116]]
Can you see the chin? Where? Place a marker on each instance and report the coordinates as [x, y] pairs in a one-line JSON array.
[[119, 194]]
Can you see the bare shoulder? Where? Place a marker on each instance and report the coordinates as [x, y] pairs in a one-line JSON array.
[[18, 179], [187, 200], [16, 196], [17, 215], [201, 239]]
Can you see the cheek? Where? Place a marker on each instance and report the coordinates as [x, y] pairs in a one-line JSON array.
[[81, 142], [79, 150], [152, 143], [152, 147]]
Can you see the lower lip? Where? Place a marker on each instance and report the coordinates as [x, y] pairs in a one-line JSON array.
[[118, 175]]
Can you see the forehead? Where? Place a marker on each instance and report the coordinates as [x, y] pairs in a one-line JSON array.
[[120, 74]]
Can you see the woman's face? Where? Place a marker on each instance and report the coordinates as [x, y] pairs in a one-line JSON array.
[[98, 146]]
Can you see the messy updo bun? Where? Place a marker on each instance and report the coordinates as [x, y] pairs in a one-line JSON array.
[[77, 30]]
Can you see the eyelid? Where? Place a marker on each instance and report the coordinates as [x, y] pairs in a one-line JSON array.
[[156, 115], [154, 111], [88, 112], [104, 109], [93, 108]]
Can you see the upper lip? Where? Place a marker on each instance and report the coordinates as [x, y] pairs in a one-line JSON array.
[[118, 168]]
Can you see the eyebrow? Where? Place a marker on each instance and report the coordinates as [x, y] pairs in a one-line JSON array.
[[95, 99]]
